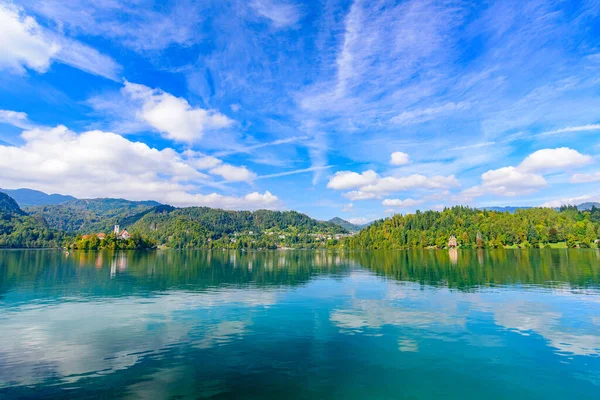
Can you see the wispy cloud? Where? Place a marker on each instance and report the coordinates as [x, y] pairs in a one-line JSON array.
[[28, 45], [281, 13], [295, 172]]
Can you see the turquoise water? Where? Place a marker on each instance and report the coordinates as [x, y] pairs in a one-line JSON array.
[[300, 325]]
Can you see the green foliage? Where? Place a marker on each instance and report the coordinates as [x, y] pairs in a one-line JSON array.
[[203, 227], [93, 242], [19, 230], [480, 228], [90, 215]]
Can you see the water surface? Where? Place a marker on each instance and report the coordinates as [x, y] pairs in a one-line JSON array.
[[302, 324]]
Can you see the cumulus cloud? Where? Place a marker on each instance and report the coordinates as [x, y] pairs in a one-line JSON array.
[[398, 203], [371, 186], [511, 181], [343, 180], [547, 159], [104, 164], [393, 184], [174, 116], [528, 176], [232, 173], [24, 45], [399, 158]]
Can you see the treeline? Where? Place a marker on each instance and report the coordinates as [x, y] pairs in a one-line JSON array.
[[474, 228], [110, 242], [19, 230]]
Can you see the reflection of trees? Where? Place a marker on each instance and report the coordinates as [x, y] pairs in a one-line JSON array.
[[143, 271], [52, 272], [472, 268]]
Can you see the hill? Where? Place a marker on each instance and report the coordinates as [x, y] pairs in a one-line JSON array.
[[588, 206], [8, 206], [349, 226], [30, 197], [480, 228], [203, 227], [90, 215], [19, 230]]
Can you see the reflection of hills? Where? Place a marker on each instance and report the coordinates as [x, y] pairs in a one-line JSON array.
[[94, 273], [130, 273], [465, 269]]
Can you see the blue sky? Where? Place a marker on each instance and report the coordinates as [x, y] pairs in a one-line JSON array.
[[356, 109]]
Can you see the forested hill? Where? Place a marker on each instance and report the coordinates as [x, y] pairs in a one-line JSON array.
[[195, 227], [8, 206], [17, 229], [481, 228], [90, 215]]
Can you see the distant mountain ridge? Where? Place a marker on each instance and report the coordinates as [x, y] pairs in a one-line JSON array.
[[30, 197]]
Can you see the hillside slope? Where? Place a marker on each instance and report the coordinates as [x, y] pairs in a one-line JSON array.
[[19, 230], [90, 215]]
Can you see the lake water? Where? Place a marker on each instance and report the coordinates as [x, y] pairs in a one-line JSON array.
[[300, 325]]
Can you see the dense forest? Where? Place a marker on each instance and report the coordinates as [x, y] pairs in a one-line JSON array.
[[474, 228], [17, 229], [203, 227]]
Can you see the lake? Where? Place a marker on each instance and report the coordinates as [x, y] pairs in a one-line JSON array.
[[466, 324]]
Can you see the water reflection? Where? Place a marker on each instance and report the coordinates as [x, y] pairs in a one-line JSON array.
[[130, 324]]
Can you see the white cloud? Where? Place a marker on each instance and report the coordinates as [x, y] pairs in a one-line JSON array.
[[511, 181], [358, 221], [24, 44], [15, 118], [251, 201], [548, 159], [581, 128], [136, 25], [233, 174], [281, 14], [348, 180], [399, 158], [174, 116], [393, 184], [104, 164], [585, 178], [398, 203], [427, 114], [356, 195], [564, 201]]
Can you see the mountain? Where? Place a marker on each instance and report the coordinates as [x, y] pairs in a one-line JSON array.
[[349, 226], [30, 197], [90, 215], [19, 230], [588, 206], [8, 206]]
